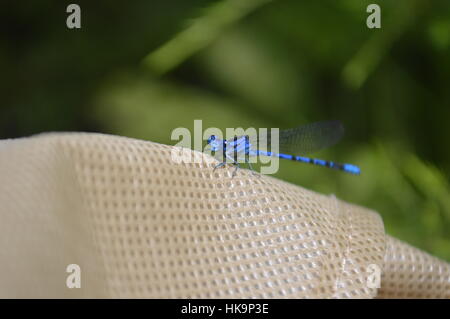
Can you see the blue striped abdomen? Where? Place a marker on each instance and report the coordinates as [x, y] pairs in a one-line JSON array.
[[349, 168]]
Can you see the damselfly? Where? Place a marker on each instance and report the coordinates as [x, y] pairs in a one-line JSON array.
[[293, 144]]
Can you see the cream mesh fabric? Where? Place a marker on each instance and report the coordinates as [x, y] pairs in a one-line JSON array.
[[411, 273], [140, 225]]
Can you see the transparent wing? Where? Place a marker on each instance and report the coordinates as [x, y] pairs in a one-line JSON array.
[[302, 140]]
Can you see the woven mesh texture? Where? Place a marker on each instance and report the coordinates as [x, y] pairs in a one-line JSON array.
[[411, 273], [140, 225]]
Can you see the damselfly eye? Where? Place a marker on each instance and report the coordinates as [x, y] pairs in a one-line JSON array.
[[211, 138]]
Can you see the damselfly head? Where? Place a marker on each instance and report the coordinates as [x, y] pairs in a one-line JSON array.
[[214, 142], [210, 139]]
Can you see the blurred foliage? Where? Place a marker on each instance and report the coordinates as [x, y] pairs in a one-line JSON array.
[[142, 69]]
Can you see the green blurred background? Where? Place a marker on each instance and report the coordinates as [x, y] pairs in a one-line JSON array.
[[143, 68]]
